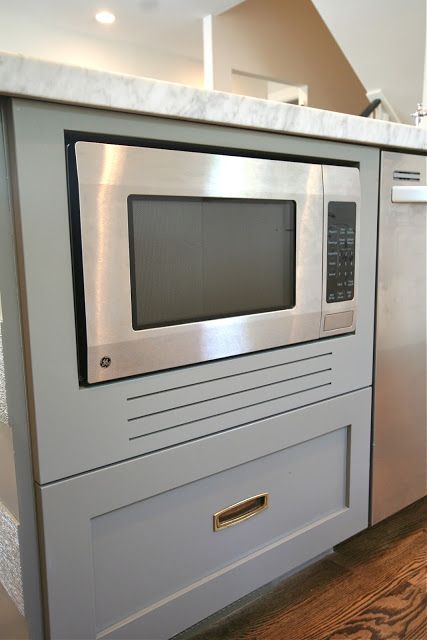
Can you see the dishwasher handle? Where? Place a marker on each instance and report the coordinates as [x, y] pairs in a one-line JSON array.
[[409, 193]]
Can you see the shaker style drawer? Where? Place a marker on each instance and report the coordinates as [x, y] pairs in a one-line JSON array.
[[168, 539], [172, 539]]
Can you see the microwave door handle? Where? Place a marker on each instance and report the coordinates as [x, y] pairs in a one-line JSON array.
[[412, 194]]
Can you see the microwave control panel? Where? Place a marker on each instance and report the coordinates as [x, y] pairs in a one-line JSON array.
[[341, 245]]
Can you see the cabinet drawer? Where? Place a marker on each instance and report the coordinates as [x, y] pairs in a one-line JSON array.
[[149, 558], [171, 538]]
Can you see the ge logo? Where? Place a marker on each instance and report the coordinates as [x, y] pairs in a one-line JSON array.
[[105, 362]]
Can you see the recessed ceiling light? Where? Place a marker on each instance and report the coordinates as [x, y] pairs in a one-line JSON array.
[[105, 17]]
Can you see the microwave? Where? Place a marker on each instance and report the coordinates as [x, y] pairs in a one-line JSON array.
[[186, 256]]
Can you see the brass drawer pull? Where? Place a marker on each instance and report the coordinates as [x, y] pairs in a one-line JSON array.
[[240, 511]]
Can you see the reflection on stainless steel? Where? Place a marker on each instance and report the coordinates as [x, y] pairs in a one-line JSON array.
[[110, 166], [336, 321], [407, 193], [400, 429], [108, 174]]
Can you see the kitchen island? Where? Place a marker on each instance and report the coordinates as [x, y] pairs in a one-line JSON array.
[[122, 494]]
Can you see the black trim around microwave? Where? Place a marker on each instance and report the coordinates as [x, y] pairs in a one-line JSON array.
[[70, 140], [77, 261], [72, 137]]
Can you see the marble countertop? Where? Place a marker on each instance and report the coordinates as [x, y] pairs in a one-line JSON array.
[[32, 78]]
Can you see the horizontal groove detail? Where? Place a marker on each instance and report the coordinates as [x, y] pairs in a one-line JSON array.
[[227, 395], [288, 395], [141, 455], [226, 377], [407, 175], [242, 401]]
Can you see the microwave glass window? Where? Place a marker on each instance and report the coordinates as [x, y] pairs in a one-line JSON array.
[[203, 258]]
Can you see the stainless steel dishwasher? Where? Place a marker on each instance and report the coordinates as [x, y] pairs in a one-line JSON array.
[[399, 440]]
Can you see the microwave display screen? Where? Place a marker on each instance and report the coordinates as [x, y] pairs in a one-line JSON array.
[[197, 259]]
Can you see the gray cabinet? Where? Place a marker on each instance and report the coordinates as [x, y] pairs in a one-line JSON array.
[[131, 550], [129, 474], [78, 429]]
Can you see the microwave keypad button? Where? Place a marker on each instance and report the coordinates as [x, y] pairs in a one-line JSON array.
[[340, 249]]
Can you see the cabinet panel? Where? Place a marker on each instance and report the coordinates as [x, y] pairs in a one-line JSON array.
[[132, 548], [78, 429], [170, 537]]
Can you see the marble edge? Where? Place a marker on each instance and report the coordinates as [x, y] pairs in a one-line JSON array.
[[45, 80]]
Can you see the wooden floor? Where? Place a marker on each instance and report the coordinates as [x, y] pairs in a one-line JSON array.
[[12, 624], [374, 587]]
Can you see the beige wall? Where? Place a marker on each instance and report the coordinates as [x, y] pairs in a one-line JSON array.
[[8, 490], [286, 40], [248, 86]]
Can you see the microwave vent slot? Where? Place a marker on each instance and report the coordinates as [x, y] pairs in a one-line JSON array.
[[407, 175], [188, 412]]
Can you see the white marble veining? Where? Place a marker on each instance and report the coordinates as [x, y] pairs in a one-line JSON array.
[[29, 77], [10, 559]]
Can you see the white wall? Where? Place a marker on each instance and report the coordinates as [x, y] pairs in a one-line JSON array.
[[70, 47], [384, 41]]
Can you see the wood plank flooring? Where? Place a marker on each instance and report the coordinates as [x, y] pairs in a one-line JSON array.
[[373, 587], [12, 624]]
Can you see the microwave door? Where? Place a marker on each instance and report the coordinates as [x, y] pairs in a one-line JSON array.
[[188, 257], [196, 259]]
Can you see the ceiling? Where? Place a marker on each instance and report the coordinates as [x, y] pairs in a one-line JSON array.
[[172, 25], [384, 41]]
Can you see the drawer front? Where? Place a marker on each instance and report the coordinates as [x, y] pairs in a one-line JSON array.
[[171, 538], [149, 556]]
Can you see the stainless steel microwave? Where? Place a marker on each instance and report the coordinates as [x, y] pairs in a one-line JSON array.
[[182, 257]]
